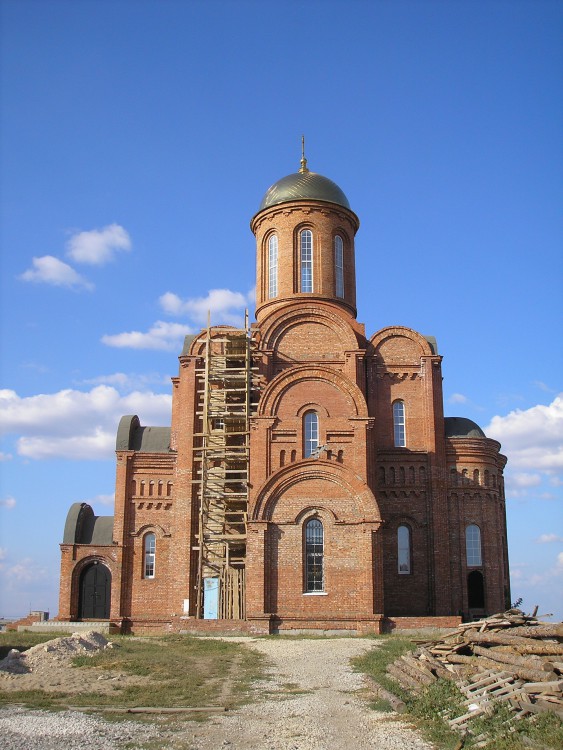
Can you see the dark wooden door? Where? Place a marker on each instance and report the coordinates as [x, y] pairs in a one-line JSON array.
[[95, 593]]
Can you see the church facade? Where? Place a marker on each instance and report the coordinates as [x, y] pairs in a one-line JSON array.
[[309, 478]]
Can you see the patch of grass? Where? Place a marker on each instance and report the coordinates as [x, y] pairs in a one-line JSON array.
[[502, 731], [178, 671], [374, 662], [433, 706]]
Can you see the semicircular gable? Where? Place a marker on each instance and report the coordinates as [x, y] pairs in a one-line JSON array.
[[198, 342], [274, 391], [308, 328], [351, 497], [399, 345], [155, 527]]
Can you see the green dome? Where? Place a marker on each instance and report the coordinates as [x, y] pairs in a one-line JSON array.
[[304, 185]]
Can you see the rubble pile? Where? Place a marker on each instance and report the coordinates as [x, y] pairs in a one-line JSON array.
[[58, 650]]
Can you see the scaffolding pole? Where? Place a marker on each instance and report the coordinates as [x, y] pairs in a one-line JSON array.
[[226, 385]]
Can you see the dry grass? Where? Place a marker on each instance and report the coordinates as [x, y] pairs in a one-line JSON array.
[[179, 671]]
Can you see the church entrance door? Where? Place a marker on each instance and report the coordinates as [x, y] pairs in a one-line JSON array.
[[95, 593]]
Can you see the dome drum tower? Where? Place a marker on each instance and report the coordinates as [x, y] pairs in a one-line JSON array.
[[338, 497]]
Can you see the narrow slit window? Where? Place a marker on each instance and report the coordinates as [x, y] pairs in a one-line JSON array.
[[310, 433], [150, 555], [399, 424], [314, 556], [404, 550], [339, 266], [306, 251], [273, 266], [473, 545]]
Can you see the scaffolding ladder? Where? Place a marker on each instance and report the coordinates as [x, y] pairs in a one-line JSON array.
[[226, 388]]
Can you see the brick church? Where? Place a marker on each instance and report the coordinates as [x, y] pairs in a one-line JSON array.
[[309, 479]]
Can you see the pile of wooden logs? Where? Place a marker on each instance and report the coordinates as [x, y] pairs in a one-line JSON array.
[[509, 657]]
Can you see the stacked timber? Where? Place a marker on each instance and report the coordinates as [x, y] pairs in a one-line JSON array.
[[509, 657]]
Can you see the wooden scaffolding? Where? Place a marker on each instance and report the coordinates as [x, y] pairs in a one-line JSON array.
[[226, 388]]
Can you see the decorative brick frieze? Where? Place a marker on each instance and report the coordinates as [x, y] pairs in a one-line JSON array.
[[368, 480]]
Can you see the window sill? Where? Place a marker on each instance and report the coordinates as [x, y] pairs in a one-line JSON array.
[[315, 593]]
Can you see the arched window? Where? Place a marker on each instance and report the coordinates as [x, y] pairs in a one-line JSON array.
[[339, 266], [314, 553], [306, 254], [310, 433], [473, 545], [404, 550], [399, 424], [149, 543], [273, 266]]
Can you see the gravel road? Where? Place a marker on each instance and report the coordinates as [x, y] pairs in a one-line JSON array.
[[312, 700]]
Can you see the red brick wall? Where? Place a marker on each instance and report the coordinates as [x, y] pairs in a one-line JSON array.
[[313, 354]]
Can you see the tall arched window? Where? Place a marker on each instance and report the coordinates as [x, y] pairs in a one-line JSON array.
[[306, 254], [473, 545], [339, 266], [310, 433], [314, 553], [273, 266], [399, 424], [149, 543], [403, 550]]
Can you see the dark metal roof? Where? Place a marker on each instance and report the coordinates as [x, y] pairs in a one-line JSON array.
[[460, 427], [303, 185], [131, 436], [83, 527]]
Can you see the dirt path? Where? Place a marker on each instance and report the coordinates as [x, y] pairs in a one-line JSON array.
[[312, 701]]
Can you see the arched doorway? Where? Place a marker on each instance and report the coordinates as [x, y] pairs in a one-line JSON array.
[[95, 593], [475, 590]]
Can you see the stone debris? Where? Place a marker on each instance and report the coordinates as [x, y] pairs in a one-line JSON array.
[[62, 649]]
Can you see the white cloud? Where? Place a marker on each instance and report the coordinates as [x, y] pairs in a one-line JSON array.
[[98, 246], [162, 337], [524, 480], [106, 500], [24, 571], [543, 387], [532, 438], [560, 560], [99, 445], [8, 502], [3, 553], [75, 424], [224, 305], [5, 456], [457, 398], [129, 381], [548, 539], [51, 270]]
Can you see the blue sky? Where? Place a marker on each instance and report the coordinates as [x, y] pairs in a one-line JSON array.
[[137, 140]]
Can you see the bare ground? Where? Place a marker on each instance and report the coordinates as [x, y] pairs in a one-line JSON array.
[[311, 700]]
